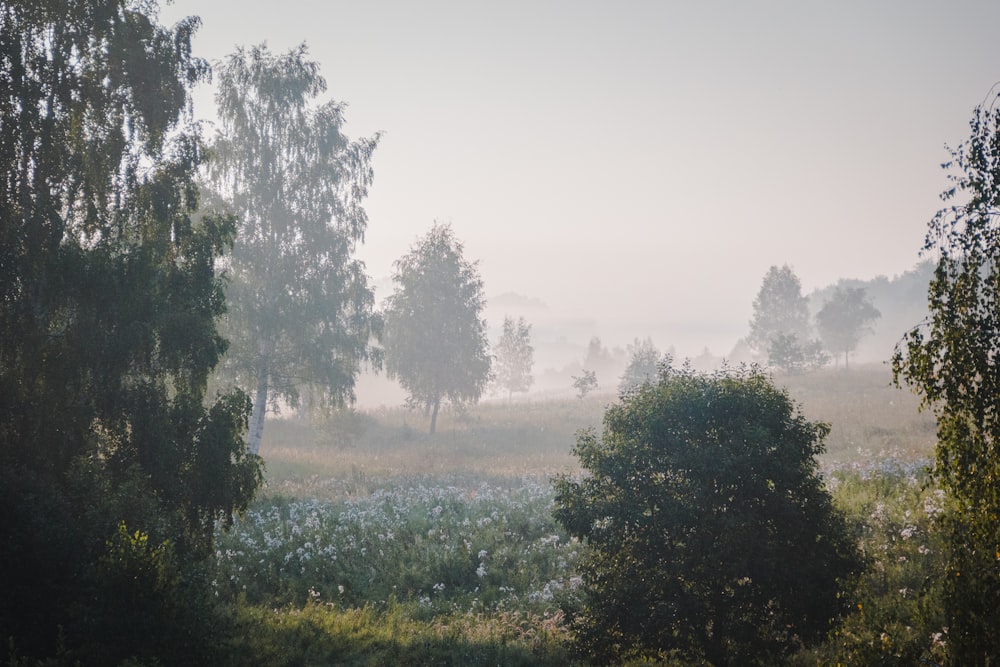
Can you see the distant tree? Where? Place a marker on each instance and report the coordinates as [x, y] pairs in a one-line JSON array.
[[710, 533], [585, 383], [779, 308], [844, 318], [604, 362], [115, 465], [953, 359], [792, 356], [642, 364], [300, 310], [514, 357], [435, 338]]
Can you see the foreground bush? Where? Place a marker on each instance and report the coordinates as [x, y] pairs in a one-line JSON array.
[[711, 533]]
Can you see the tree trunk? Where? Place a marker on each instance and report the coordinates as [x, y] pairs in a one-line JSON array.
[[257, 416], [434, 415]]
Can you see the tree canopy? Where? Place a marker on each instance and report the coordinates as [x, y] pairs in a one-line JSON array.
[[844, 318], [300, 309], [779, 308], [953, 359], [711, 535], [435, 338], [108, 306]]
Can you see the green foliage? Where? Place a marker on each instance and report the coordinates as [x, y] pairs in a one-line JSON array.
[[300, 309], [320, 634], [778, 308], [953, 360], [451, 543], [896, 615], [108, 302], [435, 337], [514, 357], [844, 318], [709, 530]]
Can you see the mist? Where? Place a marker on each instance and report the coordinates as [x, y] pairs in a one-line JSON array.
[[638, 170]]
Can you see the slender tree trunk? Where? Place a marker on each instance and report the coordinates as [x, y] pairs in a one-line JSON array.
[[257, 416], [434, 414]]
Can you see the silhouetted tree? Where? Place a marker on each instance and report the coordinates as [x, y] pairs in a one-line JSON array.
[[514, 357], [791, 356], [435, 338], [953, 359], [642, 364], [710, 533], [779, 308], [300, 309], [113, 472], [585, 383], [844, 318]]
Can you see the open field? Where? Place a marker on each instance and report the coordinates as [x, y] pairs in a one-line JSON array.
[[868, 416], [376, 542]]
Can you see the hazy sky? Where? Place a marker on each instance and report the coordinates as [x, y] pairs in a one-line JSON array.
[[642, 164]]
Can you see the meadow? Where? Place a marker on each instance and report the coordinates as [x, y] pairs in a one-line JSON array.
[[375, 543]]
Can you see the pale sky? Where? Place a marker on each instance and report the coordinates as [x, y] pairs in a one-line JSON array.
[[640, 165]]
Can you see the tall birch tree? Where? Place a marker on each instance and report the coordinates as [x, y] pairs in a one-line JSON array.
[[301, 312]]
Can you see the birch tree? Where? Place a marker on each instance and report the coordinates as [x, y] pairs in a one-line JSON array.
[[435, 338], [514, 357], [300, 308]]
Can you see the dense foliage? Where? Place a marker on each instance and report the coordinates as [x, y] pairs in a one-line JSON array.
[[112, 470], [711, 535], [300, 309], [435, 337], [953, 359]]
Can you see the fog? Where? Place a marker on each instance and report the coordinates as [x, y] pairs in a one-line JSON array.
[[626, 170]]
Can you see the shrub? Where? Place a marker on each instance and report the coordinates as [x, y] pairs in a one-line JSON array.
[[710, 532]]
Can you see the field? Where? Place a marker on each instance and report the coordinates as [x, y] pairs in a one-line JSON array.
[[374, 543]]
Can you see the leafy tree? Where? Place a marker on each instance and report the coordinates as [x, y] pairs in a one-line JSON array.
[[844, 318], [435, 338], [300, 309], [953, 359], [585, 383], [514, 357], [791, 356], [711, 535], [779, 308], [642, 364], [108, 307]]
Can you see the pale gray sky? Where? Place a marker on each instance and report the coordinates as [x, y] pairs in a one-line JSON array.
[[642, 164]]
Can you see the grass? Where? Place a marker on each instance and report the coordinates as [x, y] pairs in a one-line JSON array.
[[376, 543]]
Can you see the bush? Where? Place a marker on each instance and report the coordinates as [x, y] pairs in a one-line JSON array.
[[711, 535]]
